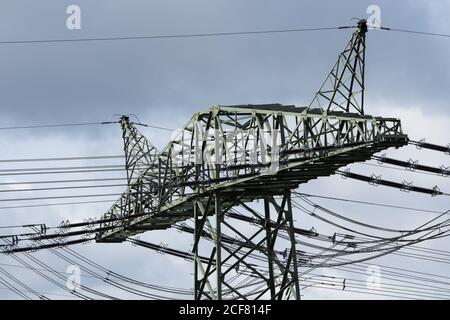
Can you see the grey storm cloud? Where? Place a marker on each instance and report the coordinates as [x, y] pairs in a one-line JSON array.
[[95, 80]]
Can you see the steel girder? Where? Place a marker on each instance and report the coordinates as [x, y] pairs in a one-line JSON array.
[[257, 149]]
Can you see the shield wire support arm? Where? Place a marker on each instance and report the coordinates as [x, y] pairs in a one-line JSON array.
[[343, 88]]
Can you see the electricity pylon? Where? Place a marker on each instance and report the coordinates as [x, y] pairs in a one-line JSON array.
[[232, 156]]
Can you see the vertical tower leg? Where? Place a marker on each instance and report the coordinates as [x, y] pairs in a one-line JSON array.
[[270, 258], [218, 244], [195, 254], [294, 272]]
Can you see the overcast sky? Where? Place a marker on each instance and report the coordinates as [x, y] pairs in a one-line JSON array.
[[163, 81]]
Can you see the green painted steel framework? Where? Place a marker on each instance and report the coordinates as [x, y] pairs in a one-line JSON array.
[[235, 156]]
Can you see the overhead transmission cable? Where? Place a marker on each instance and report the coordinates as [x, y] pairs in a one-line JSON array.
[[62, 158], [175, 36], [424, 33], [367, 203], [81, 124], [214, 34]]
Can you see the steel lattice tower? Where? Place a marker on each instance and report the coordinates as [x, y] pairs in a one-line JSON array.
[[233, 156]]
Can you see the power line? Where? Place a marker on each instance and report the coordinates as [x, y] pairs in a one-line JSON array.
[[48, 278], [340, 226], [413, 241], [56, 204], [394, 293], [108, 166], [14, 289], [57, 125], [420, 249], [417, 291], [59, 172], [395, 248], [119, 179], [107, 272], [41, 293], [392, 288], [445, 35], [77, 125], [202, 35], [401, 271], [175, 36], [57, 275], [21, 284], [330, 212], [97, 275], [398, 169], [18, 226], [59, 181], [405, 248], [62, 159], [152, 126], [117, 275], [397, 277], [67, 188], [369, 203], [62, 197], [435, 191]]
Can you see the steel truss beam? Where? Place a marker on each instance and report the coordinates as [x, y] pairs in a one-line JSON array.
[[260, 149]]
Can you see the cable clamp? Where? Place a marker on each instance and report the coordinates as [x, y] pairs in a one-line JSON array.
[[14, 240], [420, 143], [374, 180], [313, 232], [189, 257], [135, 238], [162, 246], [436, 191], [333, 238], [345, 173], [407, 186], [381, 159], [444, 170], [412, 165], [43, 228], [285, 253]]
